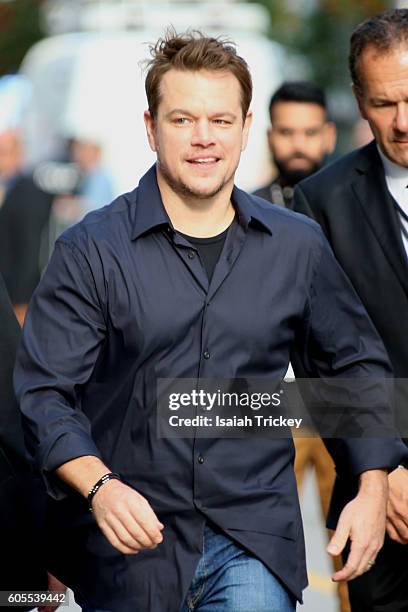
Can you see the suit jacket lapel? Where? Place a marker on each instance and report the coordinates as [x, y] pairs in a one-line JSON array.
[[371, 191]]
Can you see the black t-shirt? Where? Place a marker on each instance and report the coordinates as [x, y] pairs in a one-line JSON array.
[[209, 249]]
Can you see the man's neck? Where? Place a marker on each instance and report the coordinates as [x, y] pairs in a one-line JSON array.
[[198, 217]]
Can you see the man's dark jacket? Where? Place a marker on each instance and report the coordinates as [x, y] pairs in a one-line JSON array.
[[351, 202], [24, 216], [21, 504]]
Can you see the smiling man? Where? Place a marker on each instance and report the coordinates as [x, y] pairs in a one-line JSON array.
[[198, 145], [189, 277], [361, 202]]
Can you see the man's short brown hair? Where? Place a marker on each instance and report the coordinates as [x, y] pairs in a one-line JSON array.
[[194, 51], [384, 32]]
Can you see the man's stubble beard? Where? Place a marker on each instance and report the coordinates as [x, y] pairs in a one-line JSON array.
[[182, 189], [291, 177]]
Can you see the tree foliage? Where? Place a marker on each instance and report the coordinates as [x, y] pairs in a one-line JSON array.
[[19, 29], [320, 31]]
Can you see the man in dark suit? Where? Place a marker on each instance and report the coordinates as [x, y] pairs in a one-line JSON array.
[[21, 500], [361, 203], [300, 137], [24, 214]]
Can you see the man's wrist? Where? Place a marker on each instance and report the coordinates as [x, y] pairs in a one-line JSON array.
[[103, 480], [374, 481], [82, 473]]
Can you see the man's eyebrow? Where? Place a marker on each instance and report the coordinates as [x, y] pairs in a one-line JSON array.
[[224, 114], [384, 100], [183, 111], [179, 111]]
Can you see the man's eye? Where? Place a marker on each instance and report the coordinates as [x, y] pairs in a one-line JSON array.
[[314, 132], [222, 122], [181, 120]]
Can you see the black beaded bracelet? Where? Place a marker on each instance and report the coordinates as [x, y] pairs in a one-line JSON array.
[[105, 478]]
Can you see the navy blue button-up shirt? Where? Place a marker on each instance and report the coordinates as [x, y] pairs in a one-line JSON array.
[[122, 304]]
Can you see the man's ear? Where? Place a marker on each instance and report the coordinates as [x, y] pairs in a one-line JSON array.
[[330, 137], [245, 130], [359, 99], [150, 129], [269, 135]]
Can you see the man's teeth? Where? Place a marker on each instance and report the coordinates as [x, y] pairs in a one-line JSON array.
[[204, 160]]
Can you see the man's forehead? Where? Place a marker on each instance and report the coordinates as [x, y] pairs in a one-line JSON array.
[[196, 84], [377, 66], [184, 75], [397, 53], [298, 113], [384, 75]]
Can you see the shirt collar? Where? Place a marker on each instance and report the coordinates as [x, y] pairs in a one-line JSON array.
[[150, 212], [396, 177], [250, 212]]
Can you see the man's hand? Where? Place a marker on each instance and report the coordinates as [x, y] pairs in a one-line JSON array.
[[397, 509], [363, 521], [126, 518]]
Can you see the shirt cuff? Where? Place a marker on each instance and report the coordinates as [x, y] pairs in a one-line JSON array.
[[65, 447]]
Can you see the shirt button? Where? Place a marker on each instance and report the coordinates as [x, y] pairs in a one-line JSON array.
[[200, 459], [191, 255], [206, 355]]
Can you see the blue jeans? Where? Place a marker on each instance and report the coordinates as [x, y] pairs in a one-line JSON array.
[[228, 579]]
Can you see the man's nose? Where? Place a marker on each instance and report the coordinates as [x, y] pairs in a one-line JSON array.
[[401, 117], [202, 134], [299, 142]]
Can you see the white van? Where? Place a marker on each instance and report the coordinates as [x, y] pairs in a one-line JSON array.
[[92, 83]]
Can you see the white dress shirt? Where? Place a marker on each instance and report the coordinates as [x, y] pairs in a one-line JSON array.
[[396, 178]]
